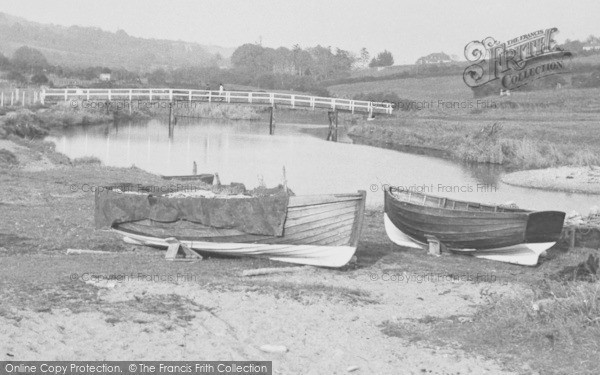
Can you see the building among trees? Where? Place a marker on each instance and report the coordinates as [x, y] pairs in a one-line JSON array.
[[434, 58]]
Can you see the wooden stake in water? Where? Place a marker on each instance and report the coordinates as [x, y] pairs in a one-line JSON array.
[[271, 125], [333, 125], [336, 127]]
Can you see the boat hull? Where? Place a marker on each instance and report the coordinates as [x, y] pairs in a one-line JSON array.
[[320, 230], [473, 229], [526, 254], [490, 232]]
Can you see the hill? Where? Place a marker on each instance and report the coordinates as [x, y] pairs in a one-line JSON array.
[[77, 46]]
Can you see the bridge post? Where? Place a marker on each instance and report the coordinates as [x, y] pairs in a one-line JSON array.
[[333, 125], [293, 101], [272, 98], [312, 102], [172, 120], [250, 97], [171, 95], [271, 124]]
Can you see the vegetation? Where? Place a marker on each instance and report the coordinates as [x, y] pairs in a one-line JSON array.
[[526, 130], [555, 329], [38, 123], [384, 58], [90, 46], [7, 157]]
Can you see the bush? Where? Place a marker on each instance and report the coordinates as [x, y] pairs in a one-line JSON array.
[[87, 160], [7, 157]]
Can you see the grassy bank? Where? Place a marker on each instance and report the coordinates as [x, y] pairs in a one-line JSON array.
[[214, 111], [490, 143], [38, 121], [524, 131]]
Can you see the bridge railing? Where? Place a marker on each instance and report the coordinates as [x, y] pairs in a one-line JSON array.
[[237, 97]]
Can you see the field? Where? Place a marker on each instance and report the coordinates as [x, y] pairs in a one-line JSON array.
[[448, 88]]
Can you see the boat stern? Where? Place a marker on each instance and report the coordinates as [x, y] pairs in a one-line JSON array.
[[544, 226]]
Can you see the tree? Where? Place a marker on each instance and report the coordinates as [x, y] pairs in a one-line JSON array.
[[384, 58], [158, 77], [29, 59], [251, 58], [16, 77], [39, 79], [364, 58], [4, 62]]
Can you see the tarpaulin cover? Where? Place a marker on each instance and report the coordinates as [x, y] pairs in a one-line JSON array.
[[263, 215]]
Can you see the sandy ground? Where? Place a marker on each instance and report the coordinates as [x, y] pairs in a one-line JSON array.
[[572, 179], [325, 333]]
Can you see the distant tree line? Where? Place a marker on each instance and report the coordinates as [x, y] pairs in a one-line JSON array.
[[576, 46], [296, 69]]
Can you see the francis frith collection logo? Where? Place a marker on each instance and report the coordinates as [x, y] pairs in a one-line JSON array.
[[516, 62]]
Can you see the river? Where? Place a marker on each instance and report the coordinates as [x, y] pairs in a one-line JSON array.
[[244, 152]]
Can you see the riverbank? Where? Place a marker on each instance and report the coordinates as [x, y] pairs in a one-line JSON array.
[[392, 309], [39, 121], [487, 142], [569, 179]]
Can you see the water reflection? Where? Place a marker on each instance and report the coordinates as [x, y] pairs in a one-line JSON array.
[[244, 152]]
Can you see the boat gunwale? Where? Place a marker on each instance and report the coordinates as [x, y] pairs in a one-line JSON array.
[[500, 209]]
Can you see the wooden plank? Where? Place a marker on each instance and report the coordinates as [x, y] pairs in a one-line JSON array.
[[86, 251], [271, 271], [359, 219], [317, 217], [309, 200]]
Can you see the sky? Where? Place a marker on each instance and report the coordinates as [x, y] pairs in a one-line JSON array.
[[409, 29]]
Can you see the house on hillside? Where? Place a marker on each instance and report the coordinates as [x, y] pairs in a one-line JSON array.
[[594, 46], [434, 58]]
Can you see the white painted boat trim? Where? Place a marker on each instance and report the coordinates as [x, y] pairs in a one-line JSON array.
[[314, 255], [526, 254], [397, 236]]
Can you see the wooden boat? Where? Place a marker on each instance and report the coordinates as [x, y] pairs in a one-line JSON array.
[[486, 231], [319, 230], [205, 177]]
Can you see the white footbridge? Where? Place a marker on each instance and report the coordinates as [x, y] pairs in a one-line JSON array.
[[230, 97]]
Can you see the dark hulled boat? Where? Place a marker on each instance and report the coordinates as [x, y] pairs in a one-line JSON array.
[[488, 230]]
